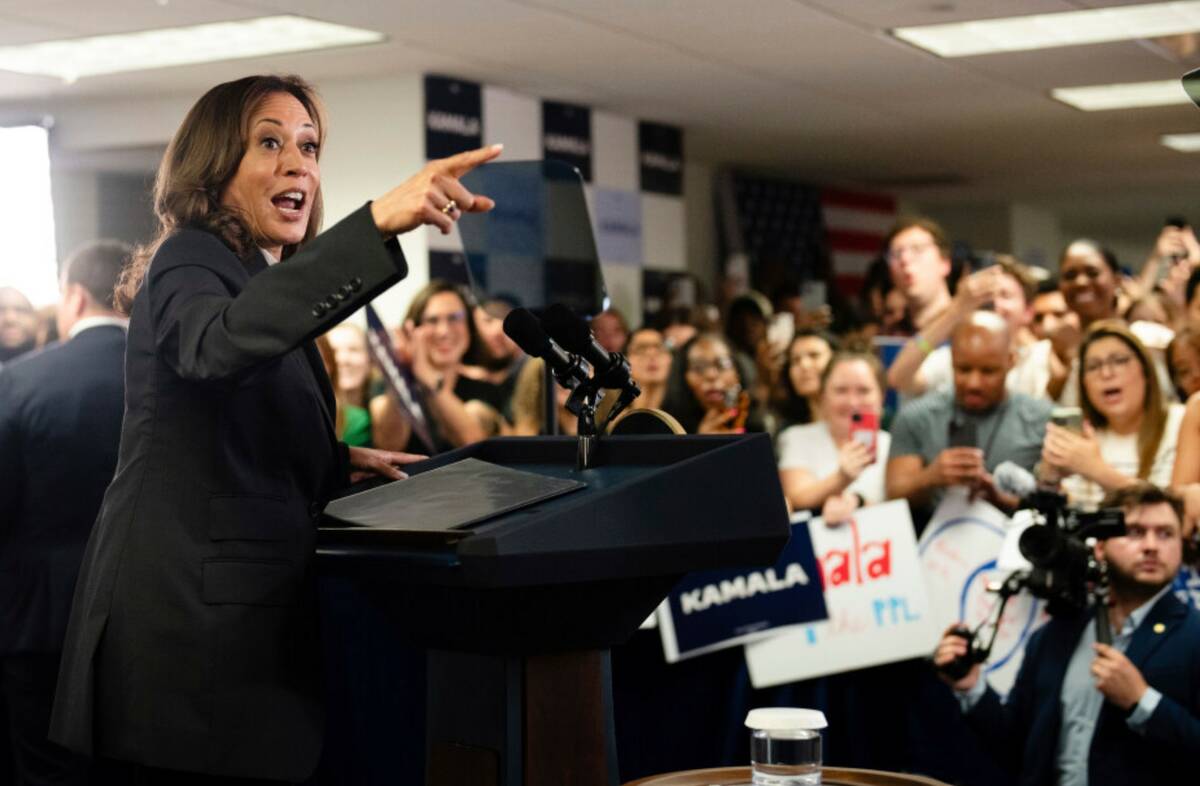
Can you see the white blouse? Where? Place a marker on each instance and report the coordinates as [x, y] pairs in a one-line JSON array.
[[811, 447]]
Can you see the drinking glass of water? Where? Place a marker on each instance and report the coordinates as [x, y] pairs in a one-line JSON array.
[[785, 746]]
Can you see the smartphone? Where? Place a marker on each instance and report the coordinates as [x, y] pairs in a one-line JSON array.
[[736, 398], [781, 330], [864, 428], [1070, 418], [962, 433]]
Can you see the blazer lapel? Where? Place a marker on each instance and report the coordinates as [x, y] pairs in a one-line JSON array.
[[1165, 615]]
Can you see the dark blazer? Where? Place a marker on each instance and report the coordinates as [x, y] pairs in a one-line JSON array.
[[1023, 731], [60, 421], [193, 637]]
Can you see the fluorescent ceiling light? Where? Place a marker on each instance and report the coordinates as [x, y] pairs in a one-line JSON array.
[[175, 46], [1184, 143], [1046, 31], [1130, 95]]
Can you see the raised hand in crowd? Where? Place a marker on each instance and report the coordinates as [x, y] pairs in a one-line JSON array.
[[853, 458], [1074, 453], [951, 647], [838, 508], [973, 292]]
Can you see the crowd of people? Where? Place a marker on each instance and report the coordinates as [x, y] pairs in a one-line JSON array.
[[1084, 380]]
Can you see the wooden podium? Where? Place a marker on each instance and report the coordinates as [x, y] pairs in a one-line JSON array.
[[519, 614]]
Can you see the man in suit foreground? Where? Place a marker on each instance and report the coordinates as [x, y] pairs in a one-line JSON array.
[[60, 423], [1086, 713]]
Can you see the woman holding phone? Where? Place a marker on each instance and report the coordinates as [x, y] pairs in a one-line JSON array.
[[1129, 431], [836, 464], [192, 653]]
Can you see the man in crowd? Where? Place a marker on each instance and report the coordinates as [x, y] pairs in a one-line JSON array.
[[918, 254], [1049, 309], [60, 422], [1008, 289], [1085, 713], [959, 437], [18, 325]]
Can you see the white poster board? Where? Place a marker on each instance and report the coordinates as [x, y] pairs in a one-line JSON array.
[[875, 596], [961, 552]]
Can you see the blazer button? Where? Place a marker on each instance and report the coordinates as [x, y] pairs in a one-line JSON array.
[[356, 283], [319, 310], [347, 290], [338, 296], [329, 303]]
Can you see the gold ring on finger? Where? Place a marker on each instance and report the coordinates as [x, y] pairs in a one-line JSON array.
[[450, 207]]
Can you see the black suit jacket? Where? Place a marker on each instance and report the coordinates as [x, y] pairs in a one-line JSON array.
[[60, 421], [193, 639], [1024, 730]]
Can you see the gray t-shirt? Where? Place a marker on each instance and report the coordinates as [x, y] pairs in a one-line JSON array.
[[1013, 431]]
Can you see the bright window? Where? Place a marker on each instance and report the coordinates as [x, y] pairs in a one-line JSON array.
[[28, 261]]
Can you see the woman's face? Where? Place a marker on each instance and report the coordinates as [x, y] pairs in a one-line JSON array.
[[807, 357], [852, 387], [445, 322], [1087, 283], [1185, 363], [649, 358], [490, 329], [350, 354], [277, 180], [1113, 379], [710, 373]]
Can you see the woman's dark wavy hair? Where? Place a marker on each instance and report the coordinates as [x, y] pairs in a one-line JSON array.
[[793, 408], [437, 286], [201, 159]]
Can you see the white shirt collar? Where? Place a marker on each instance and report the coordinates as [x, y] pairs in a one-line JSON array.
[[91, 322], [271, 260]]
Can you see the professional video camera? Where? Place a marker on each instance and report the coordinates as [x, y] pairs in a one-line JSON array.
[[1063, 571]]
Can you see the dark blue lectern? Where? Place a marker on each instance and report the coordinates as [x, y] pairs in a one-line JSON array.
[[519, 611]]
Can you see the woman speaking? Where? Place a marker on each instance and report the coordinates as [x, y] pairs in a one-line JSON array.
[[192, 650]]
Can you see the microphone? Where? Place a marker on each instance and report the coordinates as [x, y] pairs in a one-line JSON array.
[[572, 332], [1014, 479], [524, 328]]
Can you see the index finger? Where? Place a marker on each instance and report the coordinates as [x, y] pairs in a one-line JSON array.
[[461, 164]]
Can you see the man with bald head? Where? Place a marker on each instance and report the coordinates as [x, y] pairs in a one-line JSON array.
[[959, 437]]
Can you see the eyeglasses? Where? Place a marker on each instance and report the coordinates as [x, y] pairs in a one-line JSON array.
[[705, 366], [453, 319], [896, 253], [1114, 362], [646, 349]]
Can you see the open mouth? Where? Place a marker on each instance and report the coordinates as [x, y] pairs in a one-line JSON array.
[[1111, 395], [290, 203]]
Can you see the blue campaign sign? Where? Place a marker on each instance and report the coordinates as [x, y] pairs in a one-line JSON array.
[[1187, 586], [712, 610]]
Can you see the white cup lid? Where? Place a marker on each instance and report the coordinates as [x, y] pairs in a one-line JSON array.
[[777, 718]]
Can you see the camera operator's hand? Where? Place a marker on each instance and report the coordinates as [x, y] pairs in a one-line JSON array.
[[954, 646], [1116, 677], [957, 466], [1073, 453], [985, 488]]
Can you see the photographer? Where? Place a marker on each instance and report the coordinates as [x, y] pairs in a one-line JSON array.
[[1087, 713]]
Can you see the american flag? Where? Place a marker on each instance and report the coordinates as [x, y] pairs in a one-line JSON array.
[[855, 225]]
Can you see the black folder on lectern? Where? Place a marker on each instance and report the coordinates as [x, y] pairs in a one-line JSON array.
[[518, 614]]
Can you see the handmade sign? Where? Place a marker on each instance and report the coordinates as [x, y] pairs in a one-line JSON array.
[[878, 609]]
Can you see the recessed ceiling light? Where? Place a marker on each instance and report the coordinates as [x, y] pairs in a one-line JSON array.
[[1131, 95], [1184, 143], [1045, 31], [71, 59]]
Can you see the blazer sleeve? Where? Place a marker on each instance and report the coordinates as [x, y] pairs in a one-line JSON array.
[[204, 333], [1173, 725], [1003, 726], [10, 454]]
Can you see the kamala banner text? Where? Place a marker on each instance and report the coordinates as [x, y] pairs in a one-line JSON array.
[[878, 607], [716, 609]]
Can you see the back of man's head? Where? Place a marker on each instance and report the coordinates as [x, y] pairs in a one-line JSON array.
[[96, 267], [982, 355]]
